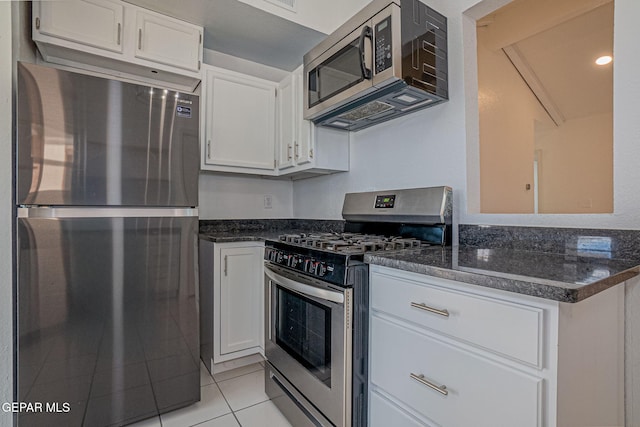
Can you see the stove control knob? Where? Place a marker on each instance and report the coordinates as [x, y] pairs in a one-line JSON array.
[[321, 269], [309, 266], [279, 257], [292, 261]]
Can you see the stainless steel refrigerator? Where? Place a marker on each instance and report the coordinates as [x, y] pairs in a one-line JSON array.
[[107, 222]]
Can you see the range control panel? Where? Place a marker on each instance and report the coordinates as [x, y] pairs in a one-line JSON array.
[[385, 201], [328, 267]]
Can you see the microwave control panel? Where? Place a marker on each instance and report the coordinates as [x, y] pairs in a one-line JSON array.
[[383, 45]]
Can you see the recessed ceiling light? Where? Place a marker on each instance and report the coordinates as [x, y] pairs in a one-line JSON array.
[[604, 60]]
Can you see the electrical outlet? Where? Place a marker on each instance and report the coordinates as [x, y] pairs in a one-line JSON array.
[[268, 201]]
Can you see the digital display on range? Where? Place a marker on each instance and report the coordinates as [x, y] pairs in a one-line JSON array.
[[385, 201]]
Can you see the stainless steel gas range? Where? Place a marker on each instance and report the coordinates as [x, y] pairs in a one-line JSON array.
[[317, 298]]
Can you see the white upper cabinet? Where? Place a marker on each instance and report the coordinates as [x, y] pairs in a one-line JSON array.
[[120, 39], [255, 126], [97, 23], [168, 41], [239, 123], [305, 151]]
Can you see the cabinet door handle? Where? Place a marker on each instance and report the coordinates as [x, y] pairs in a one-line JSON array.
[[289, 152], [442, 389], [226, 265], [209, 149], [119, 32], [139, 38], [295, 149], [425, 307]]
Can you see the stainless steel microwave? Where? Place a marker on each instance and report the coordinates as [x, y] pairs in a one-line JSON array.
[[387, 60]]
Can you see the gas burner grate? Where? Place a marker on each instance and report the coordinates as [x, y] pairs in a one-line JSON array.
[[351, 243]]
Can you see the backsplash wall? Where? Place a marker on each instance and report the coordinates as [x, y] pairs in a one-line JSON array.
[[241, 196]]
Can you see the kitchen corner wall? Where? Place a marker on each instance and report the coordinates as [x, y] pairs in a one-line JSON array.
[[6, 276], [439, 145]]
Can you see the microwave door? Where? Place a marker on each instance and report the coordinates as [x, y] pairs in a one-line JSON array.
[[341, 73]]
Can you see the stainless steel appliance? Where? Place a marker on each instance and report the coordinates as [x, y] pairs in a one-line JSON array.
[[317, 297], [388, 60], [107, 295]]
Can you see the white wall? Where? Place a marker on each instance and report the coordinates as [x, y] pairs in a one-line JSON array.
[[6, 282], [575, 168], [242, 197]]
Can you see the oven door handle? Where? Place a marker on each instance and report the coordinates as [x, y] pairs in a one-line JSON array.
[[312, 291]]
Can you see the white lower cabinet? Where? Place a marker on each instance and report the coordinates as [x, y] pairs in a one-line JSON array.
[[445, 353], [238, 300]]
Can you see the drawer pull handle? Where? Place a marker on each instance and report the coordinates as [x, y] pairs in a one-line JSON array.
[[420, 378], [425, 307]]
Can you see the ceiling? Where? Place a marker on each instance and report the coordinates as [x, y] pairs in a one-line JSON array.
[[241, 30], [561, 57]]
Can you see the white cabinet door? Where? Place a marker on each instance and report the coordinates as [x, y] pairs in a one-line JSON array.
[[168, 41], [448, 385], [239, 119], [303, 147], [287, 126], [97, 23], [241, 300]]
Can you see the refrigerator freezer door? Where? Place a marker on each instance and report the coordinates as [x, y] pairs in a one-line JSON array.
[[84, 140], [107, 318]]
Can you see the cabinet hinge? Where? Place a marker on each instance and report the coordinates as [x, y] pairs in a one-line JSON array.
[[37, 23], [311, 153]]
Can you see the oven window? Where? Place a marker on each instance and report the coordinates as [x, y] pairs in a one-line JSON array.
[[339, 72], [303, 329]]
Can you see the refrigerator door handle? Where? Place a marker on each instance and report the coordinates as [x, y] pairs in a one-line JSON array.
[[89, 212]]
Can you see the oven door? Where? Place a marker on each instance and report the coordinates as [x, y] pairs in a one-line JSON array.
[[340, 74], [308, 339]]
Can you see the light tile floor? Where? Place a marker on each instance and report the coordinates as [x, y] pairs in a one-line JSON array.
[[234, 398]]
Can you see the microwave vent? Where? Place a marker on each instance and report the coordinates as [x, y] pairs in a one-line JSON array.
[[367, 110]]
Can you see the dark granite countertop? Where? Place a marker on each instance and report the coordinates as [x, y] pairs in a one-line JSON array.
[[559, 277], [245, 235], [251, 230], [571, 264]]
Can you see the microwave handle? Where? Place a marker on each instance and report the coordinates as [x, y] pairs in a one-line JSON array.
[[366, 33]]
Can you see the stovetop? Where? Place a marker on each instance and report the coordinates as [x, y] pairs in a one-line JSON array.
[[351, 243]]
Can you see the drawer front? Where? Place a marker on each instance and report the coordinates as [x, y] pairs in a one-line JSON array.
[[502, 327], [385, 414], [479, 392]]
